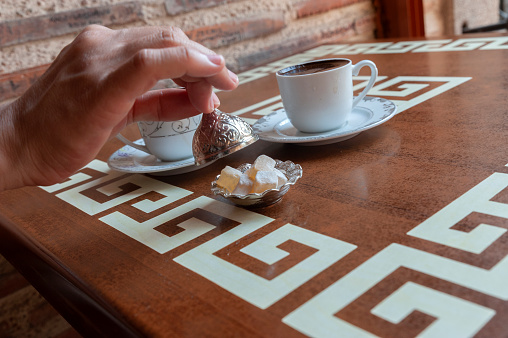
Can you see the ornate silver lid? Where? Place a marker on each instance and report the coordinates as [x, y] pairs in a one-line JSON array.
[[219, 135]]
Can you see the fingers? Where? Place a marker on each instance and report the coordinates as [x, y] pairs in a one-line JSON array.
[[178, 62], [142, 71], [154, 38], [159, 37], [202, 97], [163, 105], [225, 80]]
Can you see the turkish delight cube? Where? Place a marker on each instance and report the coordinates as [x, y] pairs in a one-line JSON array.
[[262, 163], [265, 180], [281, 178], [244, 185], [229, 178]]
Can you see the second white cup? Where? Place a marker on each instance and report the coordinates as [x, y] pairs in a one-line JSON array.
[[318, 95], [168, 141]]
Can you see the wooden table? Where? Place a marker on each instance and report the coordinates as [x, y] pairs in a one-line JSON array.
[[398, 231]]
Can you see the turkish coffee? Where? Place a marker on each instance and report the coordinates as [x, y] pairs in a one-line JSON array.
[[312, 67]]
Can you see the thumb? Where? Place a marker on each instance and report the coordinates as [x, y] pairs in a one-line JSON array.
[[162, 105]]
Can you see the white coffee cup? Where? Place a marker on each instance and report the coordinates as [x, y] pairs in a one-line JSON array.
[[318, 95], [168, 141]]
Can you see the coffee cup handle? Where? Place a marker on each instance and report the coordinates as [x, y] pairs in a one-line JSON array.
[[372, 80], [132, 144]]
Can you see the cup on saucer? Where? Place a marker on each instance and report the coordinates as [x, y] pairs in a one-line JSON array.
[[168, 141], [318, 95]]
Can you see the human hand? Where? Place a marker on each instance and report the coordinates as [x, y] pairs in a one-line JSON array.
[[96, 86]]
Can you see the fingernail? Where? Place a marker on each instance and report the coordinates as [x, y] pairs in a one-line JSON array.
[[233, 76], [214, 102], [215, 59]]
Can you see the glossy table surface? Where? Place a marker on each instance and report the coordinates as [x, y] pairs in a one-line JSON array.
[[398, 231]]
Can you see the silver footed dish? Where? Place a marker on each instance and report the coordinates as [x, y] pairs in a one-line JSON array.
[[292, 172]]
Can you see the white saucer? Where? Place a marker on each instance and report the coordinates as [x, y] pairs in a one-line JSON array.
[[131, 160], [369, 113]]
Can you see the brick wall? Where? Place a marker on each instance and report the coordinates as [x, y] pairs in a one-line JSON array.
[[246, 32]]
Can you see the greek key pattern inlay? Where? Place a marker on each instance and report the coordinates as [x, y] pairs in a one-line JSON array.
[[100, 192]]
